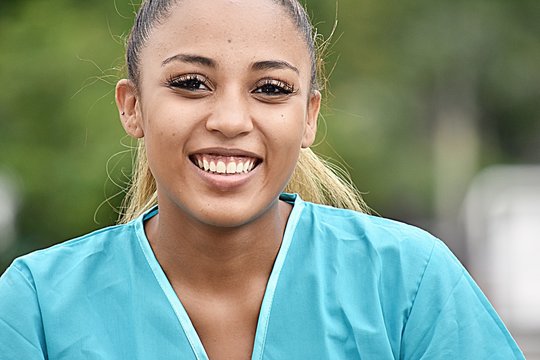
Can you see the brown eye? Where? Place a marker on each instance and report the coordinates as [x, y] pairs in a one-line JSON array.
[[272, 87], [189, 82]]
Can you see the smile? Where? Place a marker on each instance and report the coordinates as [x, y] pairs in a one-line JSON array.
[[224, 165]]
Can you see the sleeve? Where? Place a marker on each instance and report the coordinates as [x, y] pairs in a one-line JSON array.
[[21, 329], [450, 317]]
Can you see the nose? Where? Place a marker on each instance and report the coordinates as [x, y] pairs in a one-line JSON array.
[[230, 116]]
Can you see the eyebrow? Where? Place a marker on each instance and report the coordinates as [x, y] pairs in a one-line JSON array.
[[257, 66], [273, 65], [192, 59]]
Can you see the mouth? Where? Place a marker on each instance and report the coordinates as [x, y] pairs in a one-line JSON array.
[[222, 164]]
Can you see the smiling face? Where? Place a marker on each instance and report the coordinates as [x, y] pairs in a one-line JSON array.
[[224, 104]]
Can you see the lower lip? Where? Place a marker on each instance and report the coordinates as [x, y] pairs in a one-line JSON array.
[[225, 182]]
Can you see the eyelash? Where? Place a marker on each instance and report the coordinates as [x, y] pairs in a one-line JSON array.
[[193, 82], [187, 82], [277, 87]]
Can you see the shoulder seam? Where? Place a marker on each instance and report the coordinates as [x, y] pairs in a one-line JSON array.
[[78, 239], [458, 280], [29, 283], [420, 283], [43, 345]]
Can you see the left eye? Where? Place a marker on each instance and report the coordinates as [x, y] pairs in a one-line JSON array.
[[273, 88]]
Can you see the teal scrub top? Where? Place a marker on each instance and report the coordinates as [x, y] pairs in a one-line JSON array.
[[344, 285]]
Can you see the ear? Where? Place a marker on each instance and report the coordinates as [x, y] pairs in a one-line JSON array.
[[127, 101], [314, 105]]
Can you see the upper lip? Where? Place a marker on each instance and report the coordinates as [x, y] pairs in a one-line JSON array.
[[219, 151]]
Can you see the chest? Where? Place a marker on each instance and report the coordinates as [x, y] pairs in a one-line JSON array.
[[300, 318], [226, 328]]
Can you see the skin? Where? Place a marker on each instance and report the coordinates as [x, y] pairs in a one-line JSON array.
[[217, 236]]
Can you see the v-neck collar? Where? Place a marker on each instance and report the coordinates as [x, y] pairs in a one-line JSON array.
[[266, 306]]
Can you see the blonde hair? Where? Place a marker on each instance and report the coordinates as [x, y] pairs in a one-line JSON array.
[[314, 179]]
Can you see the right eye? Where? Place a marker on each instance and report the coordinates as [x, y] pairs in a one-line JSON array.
[[189, 82]]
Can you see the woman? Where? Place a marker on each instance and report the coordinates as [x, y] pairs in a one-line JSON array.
[[224, 94]]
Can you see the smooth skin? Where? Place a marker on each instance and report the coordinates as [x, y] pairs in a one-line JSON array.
[[221, 77]]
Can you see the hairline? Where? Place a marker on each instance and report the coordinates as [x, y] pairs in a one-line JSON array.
[[137, 40]]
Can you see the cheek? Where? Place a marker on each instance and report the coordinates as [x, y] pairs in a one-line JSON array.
[[168, 128], [167, 120], [290, 125], [284, 132]]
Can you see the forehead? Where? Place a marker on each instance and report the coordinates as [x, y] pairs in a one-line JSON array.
[[228, 29]]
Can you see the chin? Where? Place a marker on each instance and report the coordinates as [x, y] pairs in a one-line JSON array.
[[234, 214], [228, 218]]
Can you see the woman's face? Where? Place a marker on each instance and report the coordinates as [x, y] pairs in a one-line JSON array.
[[224, 105]]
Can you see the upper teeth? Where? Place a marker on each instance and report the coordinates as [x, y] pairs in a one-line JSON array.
[[225, 164]]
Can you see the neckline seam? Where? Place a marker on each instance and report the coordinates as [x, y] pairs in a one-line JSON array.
[[193, 338], [290, 230], [163, 281]]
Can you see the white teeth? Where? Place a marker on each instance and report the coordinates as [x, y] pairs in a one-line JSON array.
[[221, 168], [225, 165]]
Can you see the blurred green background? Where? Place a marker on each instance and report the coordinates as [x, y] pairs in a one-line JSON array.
[[422, 96]]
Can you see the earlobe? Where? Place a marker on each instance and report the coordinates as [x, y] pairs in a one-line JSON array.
[[310, 130], [127, 101]]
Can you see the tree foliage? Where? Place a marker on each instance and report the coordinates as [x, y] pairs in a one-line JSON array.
[[396, 67]]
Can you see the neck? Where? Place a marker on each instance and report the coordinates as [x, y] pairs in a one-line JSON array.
[[214, 259]]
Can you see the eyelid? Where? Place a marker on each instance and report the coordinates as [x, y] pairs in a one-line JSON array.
[[276, 82], [287, 88], [177, 79]]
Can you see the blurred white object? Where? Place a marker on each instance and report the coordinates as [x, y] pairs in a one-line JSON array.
[[502, 211], [502, 219], [8, 211]]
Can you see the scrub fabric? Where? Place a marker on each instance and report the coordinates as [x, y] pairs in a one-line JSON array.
[[344, 286]]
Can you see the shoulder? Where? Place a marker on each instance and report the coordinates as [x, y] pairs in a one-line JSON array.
[[384, 239], [73, 255], [394, 256], [50, 290], [419, 285]]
